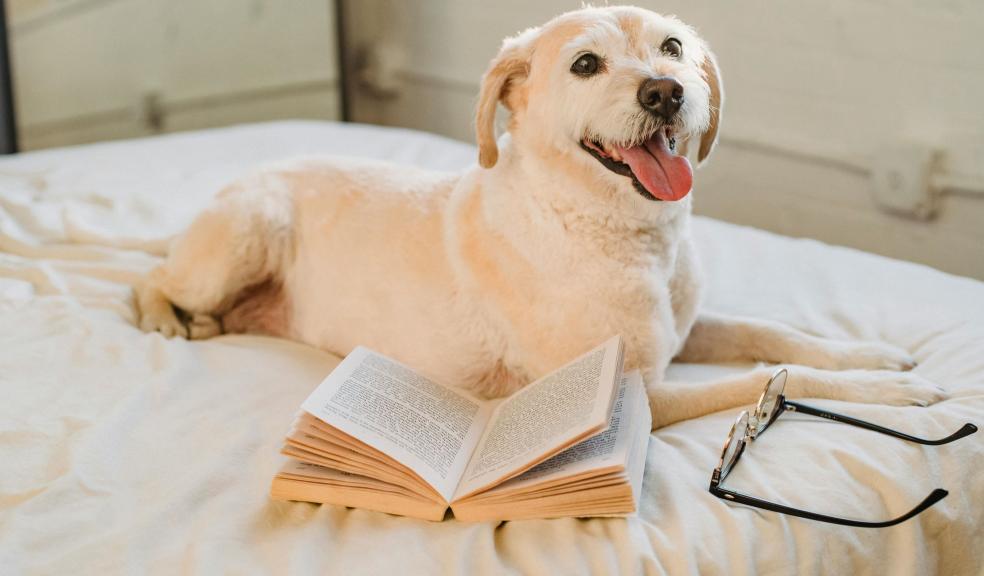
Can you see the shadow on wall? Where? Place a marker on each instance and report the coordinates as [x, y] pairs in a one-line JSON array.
[[815, 140]]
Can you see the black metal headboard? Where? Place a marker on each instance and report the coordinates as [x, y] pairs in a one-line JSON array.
[[8, 126]]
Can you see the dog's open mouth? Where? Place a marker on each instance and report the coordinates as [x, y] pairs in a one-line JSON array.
[[657, 172]]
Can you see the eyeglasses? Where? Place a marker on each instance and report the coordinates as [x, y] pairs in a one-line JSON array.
[[771, 404]]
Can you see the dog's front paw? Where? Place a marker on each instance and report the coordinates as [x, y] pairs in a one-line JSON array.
[[870, 356], [164, 321], [899, 389], [203, 326]]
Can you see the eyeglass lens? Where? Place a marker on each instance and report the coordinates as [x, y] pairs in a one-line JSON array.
[[732, 446], [769, 401]]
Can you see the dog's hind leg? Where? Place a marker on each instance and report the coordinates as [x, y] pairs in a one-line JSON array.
[[721, 338], [675, 401], [241, 241]]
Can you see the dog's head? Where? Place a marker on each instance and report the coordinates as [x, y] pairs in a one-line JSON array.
[[614, 94]]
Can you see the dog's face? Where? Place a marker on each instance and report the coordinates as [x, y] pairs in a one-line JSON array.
[[611, 93]]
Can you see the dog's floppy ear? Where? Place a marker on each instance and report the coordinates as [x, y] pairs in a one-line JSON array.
[[506, 71], [716, 101]]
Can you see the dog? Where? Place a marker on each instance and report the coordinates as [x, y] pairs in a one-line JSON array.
[[574, 226]]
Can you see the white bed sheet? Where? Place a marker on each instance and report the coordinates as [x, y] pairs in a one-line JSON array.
[[126, 452]]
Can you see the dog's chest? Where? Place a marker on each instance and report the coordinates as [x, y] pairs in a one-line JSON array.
[[571, 310]]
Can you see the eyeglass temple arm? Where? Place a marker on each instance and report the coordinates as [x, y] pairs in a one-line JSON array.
[[965, 430], [934, 497]]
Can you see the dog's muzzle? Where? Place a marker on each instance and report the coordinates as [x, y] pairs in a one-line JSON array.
[[657, 173]]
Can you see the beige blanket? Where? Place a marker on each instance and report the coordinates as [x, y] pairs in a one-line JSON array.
[[124, 452]]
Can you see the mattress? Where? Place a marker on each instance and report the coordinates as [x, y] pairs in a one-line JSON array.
[[125, 452]]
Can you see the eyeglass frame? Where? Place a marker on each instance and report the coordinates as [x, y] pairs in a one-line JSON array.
[[751, 431]]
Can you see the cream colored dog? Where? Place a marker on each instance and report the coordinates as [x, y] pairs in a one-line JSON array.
[[575, 227]]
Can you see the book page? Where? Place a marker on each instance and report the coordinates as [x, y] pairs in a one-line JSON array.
[[611, 448], [428, 428], [546, 417], [638, 453]]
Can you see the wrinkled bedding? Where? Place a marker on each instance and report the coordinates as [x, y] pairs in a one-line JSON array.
[[125, 452]]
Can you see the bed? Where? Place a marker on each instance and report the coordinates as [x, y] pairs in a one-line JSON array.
[[125, 452]]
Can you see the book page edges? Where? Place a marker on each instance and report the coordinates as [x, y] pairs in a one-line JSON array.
[[587, 480], [365, 498], [605, 501], [354, 444], [359, 445]]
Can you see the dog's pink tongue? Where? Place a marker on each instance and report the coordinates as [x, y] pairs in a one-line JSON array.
[[664, 174]]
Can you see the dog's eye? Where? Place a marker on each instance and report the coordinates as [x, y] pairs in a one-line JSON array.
[[586, 65], [672, 48]]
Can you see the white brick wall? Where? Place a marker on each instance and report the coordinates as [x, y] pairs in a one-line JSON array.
[[815, 90]]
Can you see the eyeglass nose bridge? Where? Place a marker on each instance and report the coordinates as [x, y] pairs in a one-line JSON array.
[[754, 428]]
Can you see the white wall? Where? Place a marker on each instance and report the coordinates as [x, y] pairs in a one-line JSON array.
[[88, 70], [815, 91]]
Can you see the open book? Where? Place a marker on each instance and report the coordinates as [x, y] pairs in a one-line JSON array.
[[379, 436]]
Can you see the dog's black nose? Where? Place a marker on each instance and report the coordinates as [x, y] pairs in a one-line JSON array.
[[662, 96]]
